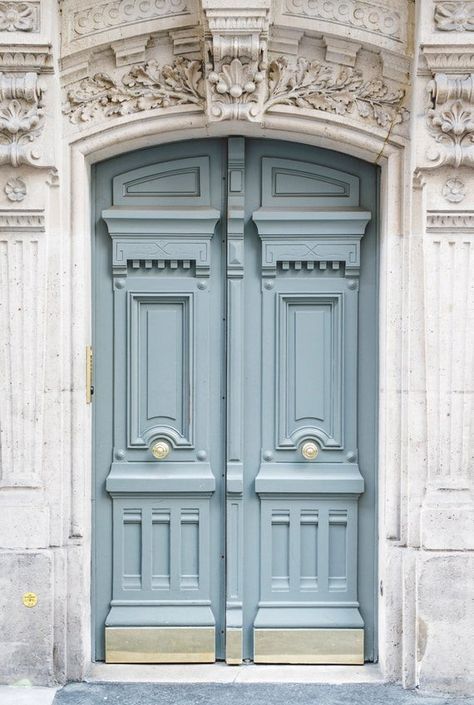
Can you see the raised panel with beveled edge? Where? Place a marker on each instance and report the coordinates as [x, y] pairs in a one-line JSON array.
[[161, 365], [309, 363], [181, 182]]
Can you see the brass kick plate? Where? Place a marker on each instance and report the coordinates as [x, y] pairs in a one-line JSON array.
[[309, 646], [160, 645]]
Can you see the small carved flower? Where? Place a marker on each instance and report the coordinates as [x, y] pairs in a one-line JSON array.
[[454, 190], [15, 189], [454, 17], [16, 17]]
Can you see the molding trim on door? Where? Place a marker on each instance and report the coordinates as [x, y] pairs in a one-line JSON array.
[[309, 646], [160, 644]]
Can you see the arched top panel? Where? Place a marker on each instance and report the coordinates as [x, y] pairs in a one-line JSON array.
[[291, 183], [178, 182]]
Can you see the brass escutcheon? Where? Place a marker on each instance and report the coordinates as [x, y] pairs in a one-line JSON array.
[[160, 450], [30, 599], [309, 450]]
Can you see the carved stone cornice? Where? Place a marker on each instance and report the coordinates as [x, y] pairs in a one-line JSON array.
[[454, 222], [21, 118], [451, 120], [449, 58], [20, 58], [236, 59], [22, 221]]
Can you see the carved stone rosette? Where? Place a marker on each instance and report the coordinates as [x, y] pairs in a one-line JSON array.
[[235, 62], [451, 120], [21, 118]]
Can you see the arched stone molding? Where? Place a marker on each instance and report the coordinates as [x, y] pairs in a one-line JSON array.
[[124, 134]]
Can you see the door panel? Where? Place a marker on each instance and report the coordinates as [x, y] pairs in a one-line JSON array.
[[235, 290], [161, 462]]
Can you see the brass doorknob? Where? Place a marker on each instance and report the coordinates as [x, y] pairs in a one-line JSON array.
[[160, 450], [309, 450]]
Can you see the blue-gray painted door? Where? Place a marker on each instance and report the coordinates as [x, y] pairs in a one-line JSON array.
[[235, 305]]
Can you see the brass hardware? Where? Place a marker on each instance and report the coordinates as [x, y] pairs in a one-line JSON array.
[[160, 450], [233, 646], [309, 646], [160, 644], [30, 599], [89, 374], [309, 450]]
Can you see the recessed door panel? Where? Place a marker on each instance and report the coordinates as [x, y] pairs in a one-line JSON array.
[[234, 405]]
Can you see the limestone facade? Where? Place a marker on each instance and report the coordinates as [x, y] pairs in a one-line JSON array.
[[391, 82]]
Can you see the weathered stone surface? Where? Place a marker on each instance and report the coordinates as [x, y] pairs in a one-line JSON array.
[[26, 644]]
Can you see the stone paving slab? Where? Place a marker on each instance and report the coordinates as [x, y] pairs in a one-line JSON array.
[[245, 694], [21, 695]]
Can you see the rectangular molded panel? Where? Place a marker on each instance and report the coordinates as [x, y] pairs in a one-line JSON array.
[[165, 548], [306, 545], [160, 364]]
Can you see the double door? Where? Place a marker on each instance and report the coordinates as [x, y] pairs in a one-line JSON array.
[[234, 406]]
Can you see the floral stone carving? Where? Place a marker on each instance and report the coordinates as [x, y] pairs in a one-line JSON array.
[[335, 89], [238, 91], [454, 16], [451, 120], [454, 190], [17, 17], [21, 118], [144, 87], [15, 189]]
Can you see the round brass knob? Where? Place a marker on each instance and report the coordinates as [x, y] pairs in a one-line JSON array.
[[160, 450], [309, 450]]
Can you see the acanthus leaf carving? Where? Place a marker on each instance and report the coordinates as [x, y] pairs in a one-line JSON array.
[[21, 118], [144, 87], [451, 120], [238, 89], [236, 61], [454, 16], [336, 89]]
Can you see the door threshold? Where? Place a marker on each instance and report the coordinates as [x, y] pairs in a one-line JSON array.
[[221, 673]]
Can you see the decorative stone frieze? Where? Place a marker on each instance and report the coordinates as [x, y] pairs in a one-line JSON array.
[[384, 23], [144, 87], [454, 16], [18, 58], [99, 17], [335, 89], [21, 118], [239, 92], [19, 16]]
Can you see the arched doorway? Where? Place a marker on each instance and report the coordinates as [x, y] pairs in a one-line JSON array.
[[235, 309]]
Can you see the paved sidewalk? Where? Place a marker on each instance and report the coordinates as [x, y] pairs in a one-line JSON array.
[[245, 694]]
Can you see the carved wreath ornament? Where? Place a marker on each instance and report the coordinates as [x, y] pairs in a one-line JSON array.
[[308, 84]]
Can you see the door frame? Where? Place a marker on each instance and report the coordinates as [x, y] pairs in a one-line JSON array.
[[102, 142]]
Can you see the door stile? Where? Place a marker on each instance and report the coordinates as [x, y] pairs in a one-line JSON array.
[[234, 395]]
